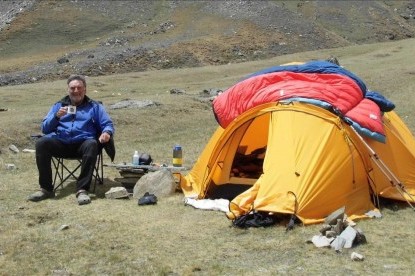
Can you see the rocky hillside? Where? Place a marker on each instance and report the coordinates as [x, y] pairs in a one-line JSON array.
[[46, 40]]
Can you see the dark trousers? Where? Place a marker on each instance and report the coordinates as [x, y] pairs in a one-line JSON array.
[[47, 147]]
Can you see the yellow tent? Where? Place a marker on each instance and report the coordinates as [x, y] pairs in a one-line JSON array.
[[297, 158]]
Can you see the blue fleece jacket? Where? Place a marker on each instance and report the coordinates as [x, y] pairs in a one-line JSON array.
[[89, 122]]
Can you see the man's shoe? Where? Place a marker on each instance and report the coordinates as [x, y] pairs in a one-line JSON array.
[[83, 198], [41, 195]]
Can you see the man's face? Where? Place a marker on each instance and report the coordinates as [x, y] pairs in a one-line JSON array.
[[76, 91]]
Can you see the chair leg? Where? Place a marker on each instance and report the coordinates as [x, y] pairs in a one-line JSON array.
[[56, 165], [99, 171], [60, 169]]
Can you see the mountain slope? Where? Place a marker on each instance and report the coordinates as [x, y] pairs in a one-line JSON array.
[[47, 40]]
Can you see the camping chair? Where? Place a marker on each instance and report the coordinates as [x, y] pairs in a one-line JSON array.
[[63, 172]]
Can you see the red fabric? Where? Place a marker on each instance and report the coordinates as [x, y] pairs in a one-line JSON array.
[[338, 90], [368, 115]]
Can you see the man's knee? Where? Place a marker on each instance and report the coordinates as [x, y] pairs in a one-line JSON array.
[[91, 147], [43, 143]]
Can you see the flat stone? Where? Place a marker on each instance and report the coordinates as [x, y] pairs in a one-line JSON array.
[[117, 192], [338, 243], [349, 234], [333, 217], [321, 241]]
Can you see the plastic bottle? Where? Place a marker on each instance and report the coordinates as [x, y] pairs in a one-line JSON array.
[[136, 158], [177, 156]]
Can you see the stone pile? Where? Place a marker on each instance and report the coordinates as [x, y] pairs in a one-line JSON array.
[[339, 232], [129, 177]]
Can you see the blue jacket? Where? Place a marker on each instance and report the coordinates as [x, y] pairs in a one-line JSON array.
[[89, 122]]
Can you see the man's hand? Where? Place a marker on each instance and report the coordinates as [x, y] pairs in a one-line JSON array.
[[62, 111], [104, 138]]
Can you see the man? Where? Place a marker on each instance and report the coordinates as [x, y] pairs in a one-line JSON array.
[[73, 128]]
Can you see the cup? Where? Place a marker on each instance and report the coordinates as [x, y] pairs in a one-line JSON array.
[[71, 109]]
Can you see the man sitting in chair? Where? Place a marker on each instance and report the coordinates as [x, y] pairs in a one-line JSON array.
[[71, 130]]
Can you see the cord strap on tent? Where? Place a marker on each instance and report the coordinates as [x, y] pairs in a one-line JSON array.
[[387, 172], [375, 196], [291, 223]]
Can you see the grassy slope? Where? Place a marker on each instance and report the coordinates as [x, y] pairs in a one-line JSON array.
[[119, 237]]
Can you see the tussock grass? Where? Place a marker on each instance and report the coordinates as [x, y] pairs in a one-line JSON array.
[[118, 237]]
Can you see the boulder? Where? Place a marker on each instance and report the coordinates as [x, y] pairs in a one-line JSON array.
[[160, 183]]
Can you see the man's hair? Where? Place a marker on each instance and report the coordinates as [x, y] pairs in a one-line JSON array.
[[76, 77]]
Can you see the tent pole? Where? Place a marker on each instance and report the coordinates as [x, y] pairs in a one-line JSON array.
[[387, 172]]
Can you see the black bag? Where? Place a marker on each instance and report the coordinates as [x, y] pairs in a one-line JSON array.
[[147, 199], [145, 159], [255, 219]]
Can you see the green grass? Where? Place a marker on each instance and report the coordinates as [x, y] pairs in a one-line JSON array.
[[118, 237]]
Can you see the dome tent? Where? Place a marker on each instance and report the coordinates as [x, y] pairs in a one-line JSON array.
[[317, 155]]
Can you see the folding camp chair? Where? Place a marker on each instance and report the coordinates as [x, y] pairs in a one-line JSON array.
[[63, 171]]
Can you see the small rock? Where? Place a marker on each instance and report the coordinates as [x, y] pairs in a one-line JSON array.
[[321, 241], [339, 227], [373, 214], [324, 229], [360, 237], [117, 192], [64, 227], [356, 257], [10, 166], [14, 149], [177, 91], [211, 92], [349, 222], [331, 234], [63, 60], [28, 150]]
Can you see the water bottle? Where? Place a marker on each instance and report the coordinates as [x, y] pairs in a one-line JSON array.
[[136, 158], [177, 156]]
